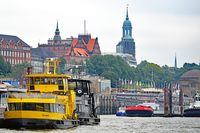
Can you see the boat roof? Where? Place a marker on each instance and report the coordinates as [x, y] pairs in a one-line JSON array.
[[79, 80], [48, 75]]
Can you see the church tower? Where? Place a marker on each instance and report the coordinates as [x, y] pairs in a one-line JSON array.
[[57, 38], [127, 45]]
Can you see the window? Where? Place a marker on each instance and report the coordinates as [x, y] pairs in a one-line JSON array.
[[46, 107], [28, 106], [39, 107], [60, 81]]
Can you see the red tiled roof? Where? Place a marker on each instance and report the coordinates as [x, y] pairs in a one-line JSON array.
[[80, 52], [90, 45], [74, 42]]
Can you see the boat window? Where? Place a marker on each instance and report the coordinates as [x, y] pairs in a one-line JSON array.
[[14, 106], [28, 106], [51, 108], [53, 80], [11, 107], [18, 106], [3, 95], [45, 80], [71, 85], [60, 108], [60, 81], [47, 107], [39, 107], [197, 98], [30, 80], [85, 87], [37, 80]]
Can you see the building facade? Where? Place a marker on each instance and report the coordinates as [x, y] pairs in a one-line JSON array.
[[127, 44], [190, 83], [72, 49], [14, 50], [99, 84], [39, 57]]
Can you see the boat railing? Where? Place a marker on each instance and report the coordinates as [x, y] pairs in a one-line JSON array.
[[31, 95]]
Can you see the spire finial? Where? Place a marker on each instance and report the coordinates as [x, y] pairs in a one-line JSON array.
[[84, 27], [57, 25], [127, 12]]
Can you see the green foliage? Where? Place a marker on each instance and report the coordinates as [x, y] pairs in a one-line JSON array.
[[62, 65], [5, 67], [115, 68], [18, 70], [186, 67], [110, 67], [149, 72]]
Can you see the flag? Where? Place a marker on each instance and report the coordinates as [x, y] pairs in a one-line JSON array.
[[122, 82], [131, 82]]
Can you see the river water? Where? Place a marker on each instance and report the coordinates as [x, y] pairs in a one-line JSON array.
[[113, 124]]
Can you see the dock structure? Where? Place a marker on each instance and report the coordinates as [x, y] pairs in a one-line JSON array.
[[107, 104], [169, 99]]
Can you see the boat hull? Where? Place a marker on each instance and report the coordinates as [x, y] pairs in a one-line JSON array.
[[193, 112], [28, 123], [120, 114], [89, 121], [139, 113]]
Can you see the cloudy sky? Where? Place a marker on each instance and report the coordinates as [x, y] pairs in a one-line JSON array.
[[161, 28]]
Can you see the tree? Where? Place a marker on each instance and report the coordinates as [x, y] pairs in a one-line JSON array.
[[18, 70], [62, 65], [5, 67], [149, 72], [110, 67], [115, 68]]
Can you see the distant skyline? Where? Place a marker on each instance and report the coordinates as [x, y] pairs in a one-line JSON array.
[[160, 28]]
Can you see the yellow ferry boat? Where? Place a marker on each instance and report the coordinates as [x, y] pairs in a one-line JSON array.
[[48, 103]]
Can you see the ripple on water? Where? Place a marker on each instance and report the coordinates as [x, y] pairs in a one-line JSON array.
[[113, 124]]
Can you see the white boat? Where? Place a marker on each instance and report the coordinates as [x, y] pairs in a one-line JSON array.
[[194, 109], [153, 105]]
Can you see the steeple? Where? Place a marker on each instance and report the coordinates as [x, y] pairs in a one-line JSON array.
[[175, 62], [57, 32], [127, 44], [127, 27], [57, 37]]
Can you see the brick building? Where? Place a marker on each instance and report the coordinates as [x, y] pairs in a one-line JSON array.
[[72, 49], [14, 50]]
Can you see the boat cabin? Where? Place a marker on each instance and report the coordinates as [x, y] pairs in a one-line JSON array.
[[80, 86], [50, 83]]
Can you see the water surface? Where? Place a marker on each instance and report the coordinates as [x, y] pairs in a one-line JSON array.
[[113, 124]]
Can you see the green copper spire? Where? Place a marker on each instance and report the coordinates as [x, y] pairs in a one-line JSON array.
[[127, 27]]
